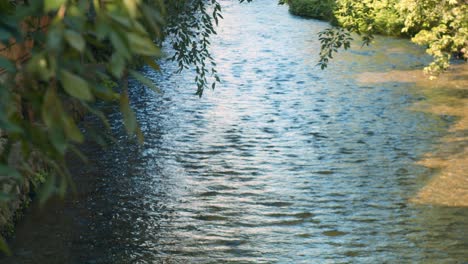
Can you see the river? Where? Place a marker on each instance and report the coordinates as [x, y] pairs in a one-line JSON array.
[[282, 163]]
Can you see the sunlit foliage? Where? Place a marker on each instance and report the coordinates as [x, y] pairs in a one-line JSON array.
[[440, 26]]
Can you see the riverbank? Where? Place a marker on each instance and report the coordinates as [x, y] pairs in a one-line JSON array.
[[375, 18], [446, 95], [22, 194], [440, 27]]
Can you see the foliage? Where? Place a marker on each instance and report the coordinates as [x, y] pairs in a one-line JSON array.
[[441, 26], [190, 34], [88, 46], [336, 38], [320, 9], [191, 39], [67, 68], [371, 16]]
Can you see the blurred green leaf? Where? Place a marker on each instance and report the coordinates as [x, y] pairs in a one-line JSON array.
[[117, 65], [132, 7], [142, 45], [128, 114], [53, 120], [50, 5], [122, 20], [150, 61], [75, 40], [47, 189], [58, 139], [120, 44], [50, 102], [72, 131], [139, 135], [4, 246], [76, 86], [55, 39], [142, 79], [102, 28]]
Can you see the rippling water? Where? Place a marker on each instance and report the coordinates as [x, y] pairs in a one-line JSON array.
[[283, 163]]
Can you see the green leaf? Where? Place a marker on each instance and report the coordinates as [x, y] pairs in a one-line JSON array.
[[57, 137], [4, 246], [50, 5], [75, 86], [122, 20], [150, 61], [142, 45], [132, 7], [153, 17], [62, 186], [72, 131], [75, 40], [50, 102], [117, 65], [47, 189], [38, 64], [99, 114], [52, 115], [142, 79], [139, 134], [119, 44], [102, 28], [55, 39], [128, 114]]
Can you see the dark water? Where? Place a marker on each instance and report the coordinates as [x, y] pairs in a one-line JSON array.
[[283, 163]]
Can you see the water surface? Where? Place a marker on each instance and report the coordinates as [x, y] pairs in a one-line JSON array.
[[282, 163]]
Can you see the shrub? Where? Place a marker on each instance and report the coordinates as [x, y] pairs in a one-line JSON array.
[[318, 9]]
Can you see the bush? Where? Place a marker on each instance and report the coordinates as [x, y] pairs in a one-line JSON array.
[[318, 9], [440, 26], [378, 17]]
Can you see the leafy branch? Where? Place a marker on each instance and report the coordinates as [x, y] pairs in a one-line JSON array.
[[81, 60]]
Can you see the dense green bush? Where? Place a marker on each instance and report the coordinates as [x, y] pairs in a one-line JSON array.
[[378, 17], [319, 9], [439, 25]]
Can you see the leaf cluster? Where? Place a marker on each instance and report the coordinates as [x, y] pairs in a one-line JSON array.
[[331, 41], [84, 44], [78, 58], [441, 26]]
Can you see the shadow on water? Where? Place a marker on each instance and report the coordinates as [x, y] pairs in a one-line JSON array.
[[283, 163]]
